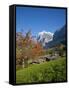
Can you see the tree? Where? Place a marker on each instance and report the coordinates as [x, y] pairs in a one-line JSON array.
[[60, 49], [26, 48], [22, 47], [37, 51]]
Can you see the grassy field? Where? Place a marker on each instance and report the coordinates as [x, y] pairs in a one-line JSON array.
[[52, 71]]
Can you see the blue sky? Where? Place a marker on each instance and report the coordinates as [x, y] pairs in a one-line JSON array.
[[39, 19]]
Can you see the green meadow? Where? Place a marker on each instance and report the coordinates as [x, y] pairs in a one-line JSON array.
[[52, 71]]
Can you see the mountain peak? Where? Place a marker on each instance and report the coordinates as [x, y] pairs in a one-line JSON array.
[[44, 37], [45, 32]]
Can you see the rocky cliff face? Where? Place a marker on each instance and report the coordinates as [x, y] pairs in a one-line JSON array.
[[59, 37]]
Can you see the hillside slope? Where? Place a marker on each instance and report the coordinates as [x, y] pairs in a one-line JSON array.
[[53, 71], [59, 37]]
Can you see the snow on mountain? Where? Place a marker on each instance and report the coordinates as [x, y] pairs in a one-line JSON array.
[[44, 37]]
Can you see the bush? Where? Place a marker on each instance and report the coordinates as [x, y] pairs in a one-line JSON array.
[[53, 71]]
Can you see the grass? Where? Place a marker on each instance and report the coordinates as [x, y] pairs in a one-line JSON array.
[[52, 71]]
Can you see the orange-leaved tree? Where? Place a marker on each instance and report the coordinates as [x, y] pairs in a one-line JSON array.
[[26, 48]]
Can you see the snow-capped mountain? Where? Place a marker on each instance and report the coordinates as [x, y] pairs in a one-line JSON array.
[[44, 37]]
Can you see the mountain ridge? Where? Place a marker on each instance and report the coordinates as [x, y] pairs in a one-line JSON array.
[[59, 37]]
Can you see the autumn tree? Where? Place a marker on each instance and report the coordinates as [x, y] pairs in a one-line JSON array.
[[22, 47], [37, 51], [26, 48]]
